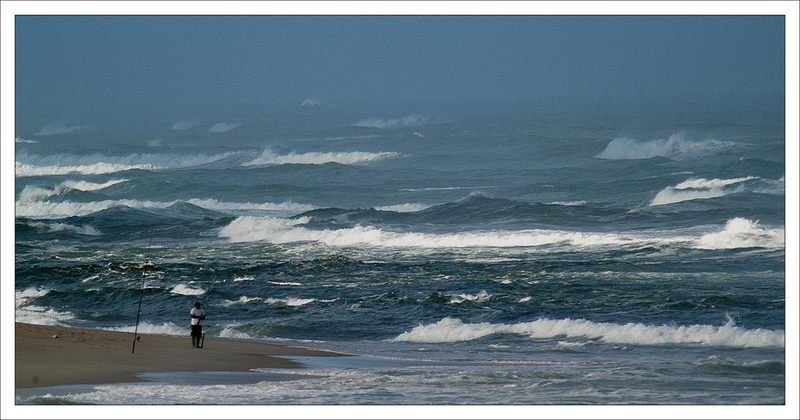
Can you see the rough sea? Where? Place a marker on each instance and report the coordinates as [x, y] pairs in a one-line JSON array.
[[605, 257]]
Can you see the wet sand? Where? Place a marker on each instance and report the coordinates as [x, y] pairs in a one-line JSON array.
[[83, 356]]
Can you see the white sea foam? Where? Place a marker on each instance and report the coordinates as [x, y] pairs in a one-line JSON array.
[[568, 203], [59, 128], [450, 330], [224, 127], [35, 314], [64, 227], [702, 188], [231, 332], [675, 147], [21, 140], [164, 328], [268, 157], [279, 231], [481, 296], [243, 300], [404, 208], [91, 186], [289, 301], [285, 283], [243, 278], [525, 299], [742, 233], [35, 165], [33, 203], [187, 290], [310, 102], [413, 120]]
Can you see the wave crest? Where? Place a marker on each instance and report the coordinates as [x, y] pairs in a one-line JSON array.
[[702, 188], [413, 120], [675, 147], [268, 157], [35, 165], [450, 330]]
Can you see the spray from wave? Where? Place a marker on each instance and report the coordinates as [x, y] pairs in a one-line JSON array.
[[404, 208], [450, 330], [268, 157], [702, 188], [675, 147], [413, 120], [64, 227]]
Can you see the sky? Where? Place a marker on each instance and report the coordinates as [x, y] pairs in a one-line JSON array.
[[148, 65]]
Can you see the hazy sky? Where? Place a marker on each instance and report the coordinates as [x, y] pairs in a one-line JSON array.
[[143, 64]]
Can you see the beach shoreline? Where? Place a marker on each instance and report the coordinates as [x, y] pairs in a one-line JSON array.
[[48, 355]]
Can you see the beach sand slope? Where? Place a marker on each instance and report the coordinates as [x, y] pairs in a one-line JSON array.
[[84, 356]]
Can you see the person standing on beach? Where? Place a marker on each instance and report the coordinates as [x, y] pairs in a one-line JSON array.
[[197, 315]]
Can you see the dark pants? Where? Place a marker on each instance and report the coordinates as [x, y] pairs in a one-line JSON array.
[[197, 332]]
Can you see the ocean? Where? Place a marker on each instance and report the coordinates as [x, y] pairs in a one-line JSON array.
[[619, 256]]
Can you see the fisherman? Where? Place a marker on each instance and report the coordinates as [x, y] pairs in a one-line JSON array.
[[197, 315]]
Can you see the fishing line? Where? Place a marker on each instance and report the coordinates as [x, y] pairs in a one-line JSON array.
[[141, 295]]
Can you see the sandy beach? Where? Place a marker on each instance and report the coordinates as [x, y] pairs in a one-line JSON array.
[[84, 356]]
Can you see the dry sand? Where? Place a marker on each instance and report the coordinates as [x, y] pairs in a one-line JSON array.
[[82, 356]]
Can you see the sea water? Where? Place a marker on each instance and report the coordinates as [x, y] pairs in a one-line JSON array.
[[614, 257]]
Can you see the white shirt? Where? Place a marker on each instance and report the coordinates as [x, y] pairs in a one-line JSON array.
[[196, 312]]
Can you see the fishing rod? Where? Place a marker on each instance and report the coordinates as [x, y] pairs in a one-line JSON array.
[[141, 295]]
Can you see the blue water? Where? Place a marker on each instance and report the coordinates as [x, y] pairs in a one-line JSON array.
[[609, 258]]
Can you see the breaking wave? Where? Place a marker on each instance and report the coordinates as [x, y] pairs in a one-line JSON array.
[[702, 188], [33, 202], [675, 147], [164, 328], [450, 330], [21, 140], [289, 301], [34, 165], [413, 120], [280, 231], [404, 208], [268, 157], [481, 296], [34, 314], [742, 233], [186, 290], [64, 227]]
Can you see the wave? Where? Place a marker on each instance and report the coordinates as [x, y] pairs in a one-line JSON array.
[[742, 233], [90, 186], [164, 328], [446, 188], [310, 102], [243, 300], [64, 227], [34, 314], [223, 127], [568, 203], [21, 140], [702, 188], [404, 208], [675, 147], [481, 296], [294, 302], [186, 290], [185, 125], [268, 157], [59, 128], [35, 165], [450, 330], [34, 202], [413, 120], [280, 231], [725, 364]]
